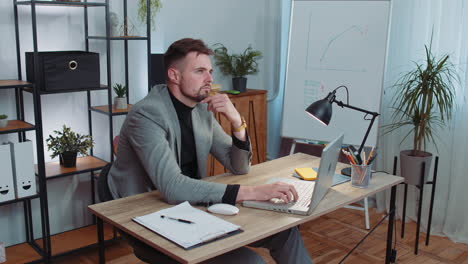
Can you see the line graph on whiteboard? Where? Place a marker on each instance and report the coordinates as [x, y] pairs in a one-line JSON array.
[[337, 52], [313, 91]]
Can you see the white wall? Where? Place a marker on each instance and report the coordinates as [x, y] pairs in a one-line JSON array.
[[236, 24]]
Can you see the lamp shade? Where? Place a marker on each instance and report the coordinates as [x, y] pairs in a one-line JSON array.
[[321, 110]]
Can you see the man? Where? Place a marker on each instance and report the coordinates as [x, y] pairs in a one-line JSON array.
[[165, 141]]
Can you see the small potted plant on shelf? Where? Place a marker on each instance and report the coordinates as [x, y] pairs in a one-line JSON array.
[[67, 145], [424, 101], [237, 65], [120, 102], [3, 120]]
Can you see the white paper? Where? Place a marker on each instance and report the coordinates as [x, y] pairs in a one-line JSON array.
[[7, 186], [2, 252], [205, 227]]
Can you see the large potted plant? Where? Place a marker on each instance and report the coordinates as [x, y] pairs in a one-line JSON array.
[[237, 65], [424, 101], [67, 145], [3, 120], [143, 10], [120, 101]]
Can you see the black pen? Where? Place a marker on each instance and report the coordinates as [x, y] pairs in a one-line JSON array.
[[178, 219]]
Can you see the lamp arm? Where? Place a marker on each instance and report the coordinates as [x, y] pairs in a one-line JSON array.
[[374, 116], [340, 103], [367, 134]]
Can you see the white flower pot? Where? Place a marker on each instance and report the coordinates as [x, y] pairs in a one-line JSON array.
[[120, 103], [3, 122], [411, 166]]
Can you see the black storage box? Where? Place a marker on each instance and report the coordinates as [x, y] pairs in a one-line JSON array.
[[64, 70]]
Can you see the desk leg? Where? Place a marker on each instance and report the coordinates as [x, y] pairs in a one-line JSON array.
[[391, 219], [100, 231]]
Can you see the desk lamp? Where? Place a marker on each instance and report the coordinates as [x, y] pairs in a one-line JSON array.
[[322, 111]]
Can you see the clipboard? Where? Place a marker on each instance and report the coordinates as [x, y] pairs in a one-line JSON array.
[[205, 228]]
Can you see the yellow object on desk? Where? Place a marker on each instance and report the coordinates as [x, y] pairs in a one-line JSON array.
[[307, 174]]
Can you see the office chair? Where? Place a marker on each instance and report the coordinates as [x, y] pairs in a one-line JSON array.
[[115, 144], [103, 190]]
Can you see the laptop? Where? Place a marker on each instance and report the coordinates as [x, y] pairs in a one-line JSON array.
[[310, 192]]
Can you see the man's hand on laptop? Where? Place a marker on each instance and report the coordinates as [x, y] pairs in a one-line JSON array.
[[278, 191]]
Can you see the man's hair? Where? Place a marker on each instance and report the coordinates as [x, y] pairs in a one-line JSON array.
[[179, 49]]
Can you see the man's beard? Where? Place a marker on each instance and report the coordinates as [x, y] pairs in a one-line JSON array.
[[200, 95]]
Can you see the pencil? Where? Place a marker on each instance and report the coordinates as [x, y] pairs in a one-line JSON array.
[[370, 155], [353, 156], [364, 158], [361, 175], [348, 156]]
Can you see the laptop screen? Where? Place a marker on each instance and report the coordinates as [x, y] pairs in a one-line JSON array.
[[326, 171]]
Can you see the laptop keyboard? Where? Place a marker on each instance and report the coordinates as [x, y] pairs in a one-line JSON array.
[[304, 190]]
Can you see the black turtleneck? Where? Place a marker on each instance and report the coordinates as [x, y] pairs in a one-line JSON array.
[[188, 163]]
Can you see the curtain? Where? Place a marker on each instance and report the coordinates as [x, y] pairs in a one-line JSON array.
[[413, 24]]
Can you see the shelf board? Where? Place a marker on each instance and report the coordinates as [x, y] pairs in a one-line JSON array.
[[61, 3], [60, 243], [102, 87], [14, 84], [16, 126], [20, 199], [104, 109], [83, 164], [118, 37], [77, 238]]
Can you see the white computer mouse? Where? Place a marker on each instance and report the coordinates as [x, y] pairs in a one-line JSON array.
[[224, 209]]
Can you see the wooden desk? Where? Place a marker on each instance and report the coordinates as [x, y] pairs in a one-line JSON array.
[[257, 224]]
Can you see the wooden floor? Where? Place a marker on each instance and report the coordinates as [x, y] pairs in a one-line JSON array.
[[327, 239]]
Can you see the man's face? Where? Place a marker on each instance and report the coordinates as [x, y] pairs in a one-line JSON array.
[[195, 77]]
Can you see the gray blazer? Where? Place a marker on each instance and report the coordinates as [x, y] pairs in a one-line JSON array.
[[148, 155]]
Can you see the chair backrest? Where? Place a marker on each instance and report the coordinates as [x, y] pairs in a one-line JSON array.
[[115, 144], [102, 186]]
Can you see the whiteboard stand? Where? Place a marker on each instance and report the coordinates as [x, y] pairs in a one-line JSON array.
[[366, 204], [365, 209]]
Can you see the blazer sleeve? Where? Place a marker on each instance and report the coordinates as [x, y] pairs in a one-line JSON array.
[[149, 140], [236, 160]]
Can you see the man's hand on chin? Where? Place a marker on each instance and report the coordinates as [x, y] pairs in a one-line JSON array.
[[220, 103]]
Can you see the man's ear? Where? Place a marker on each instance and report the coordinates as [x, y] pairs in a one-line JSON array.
[[174, 75]]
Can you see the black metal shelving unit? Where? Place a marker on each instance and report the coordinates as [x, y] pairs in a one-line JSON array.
[[20, 126], [91, 164], [108, 109]]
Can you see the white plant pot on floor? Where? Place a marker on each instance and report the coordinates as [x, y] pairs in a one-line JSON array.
[[120, 103]]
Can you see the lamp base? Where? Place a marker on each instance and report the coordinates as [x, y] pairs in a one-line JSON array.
[[346, 171]]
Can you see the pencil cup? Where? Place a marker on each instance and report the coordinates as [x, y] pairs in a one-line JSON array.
[[360, 175]]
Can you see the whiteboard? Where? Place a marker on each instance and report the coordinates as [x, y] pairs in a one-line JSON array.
[[333, 43]]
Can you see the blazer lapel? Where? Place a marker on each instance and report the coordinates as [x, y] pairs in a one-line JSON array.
[[174, 123], [201, 135]]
